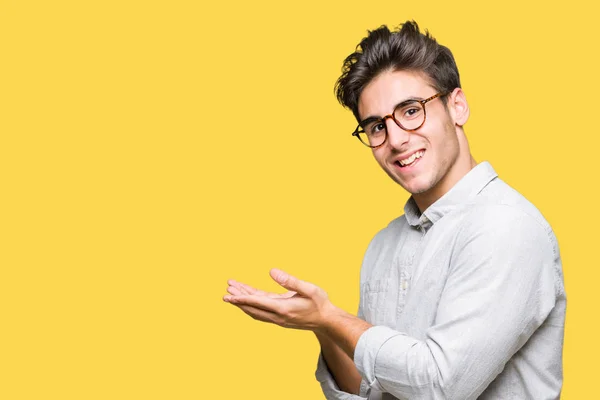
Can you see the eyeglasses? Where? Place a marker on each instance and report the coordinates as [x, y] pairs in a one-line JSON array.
[[409, 115]]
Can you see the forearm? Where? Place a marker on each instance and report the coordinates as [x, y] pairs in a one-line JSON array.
[[343, 329], [340, 365]]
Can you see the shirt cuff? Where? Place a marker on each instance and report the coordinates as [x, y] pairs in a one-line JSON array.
[[330, 387], [368, 359]]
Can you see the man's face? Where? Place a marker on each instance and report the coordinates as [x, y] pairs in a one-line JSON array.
[[436, 141]]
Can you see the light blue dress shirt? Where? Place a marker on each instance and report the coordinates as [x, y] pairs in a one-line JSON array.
[[467, 300]]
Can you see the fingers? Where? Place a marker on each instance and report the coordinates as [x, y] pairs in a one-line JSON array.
[[262, 302], [259, 314], [236, 288], [242, 287], [234, 291], [292, 283]]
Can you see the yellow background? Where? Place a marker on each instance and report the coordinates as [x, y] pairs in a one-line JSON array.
[[152, 150]]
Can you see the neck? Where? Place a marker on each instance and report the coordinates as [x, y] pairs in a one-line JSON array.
[[464, 163], [426, 199]]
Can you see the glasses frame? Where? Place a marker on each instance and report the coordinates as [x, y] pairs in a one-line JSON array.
[[358, 131]]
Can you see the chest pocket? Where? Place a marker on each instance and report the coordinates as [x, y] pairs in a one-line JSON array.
[[374, 298]]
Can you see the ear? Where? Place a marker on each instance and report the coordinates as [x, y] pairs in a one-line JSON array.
[[458, 106]]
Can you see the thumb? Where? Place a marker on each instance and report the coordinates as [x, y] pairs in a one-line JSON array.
[[290, 282]]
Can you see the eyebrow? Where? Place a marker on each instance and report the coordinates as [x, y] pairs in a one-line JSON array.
[[372, 118]]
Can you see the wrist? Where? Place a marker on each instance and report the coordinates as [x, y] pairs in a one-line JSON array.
[[330, 316], [342, 328]]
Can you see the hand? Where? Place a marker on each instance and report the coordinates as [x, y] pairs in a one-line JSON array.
[[304, 306]]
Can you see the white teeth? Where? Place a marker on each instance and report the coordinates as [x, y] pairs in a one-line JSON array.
[[412, 158]]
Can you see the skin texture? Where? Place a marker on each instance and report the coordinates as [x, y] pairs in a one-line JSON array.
[[446, 160]]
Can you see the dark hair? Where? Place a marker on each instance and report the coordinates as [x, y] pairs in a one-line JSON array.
[[404, 49]]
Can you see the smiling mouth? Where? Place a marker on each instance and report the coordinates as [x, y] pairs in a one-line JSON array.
[[407, 162]]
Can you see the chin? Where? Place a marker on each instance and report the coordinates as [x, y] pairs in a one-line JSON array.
[[420, 190], [415, 186]]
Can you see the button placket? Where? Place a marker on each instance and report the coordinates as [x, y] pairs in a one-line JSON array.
[[404, 266]]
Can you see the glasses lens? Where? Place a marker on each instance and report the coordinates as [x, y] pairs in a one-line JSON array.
[[372, 133], [410, 116]]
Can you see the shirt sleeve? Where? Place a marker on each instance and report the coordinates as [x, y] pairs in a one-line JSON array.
[[330, 387], [499, 289]]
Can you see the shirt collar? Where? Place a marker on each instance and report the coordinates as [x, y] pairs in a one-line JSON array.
[[463, 191]]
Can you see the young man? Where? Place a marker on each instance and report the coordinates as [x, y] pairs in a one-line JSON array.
[[462, 297]]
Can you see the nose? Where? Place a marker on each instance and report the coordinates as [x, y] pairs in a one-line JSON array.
[[397, 137]]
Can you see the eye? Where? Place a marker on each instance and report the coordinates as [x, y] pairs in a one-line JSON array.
[[411, 112], [376, 128]]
